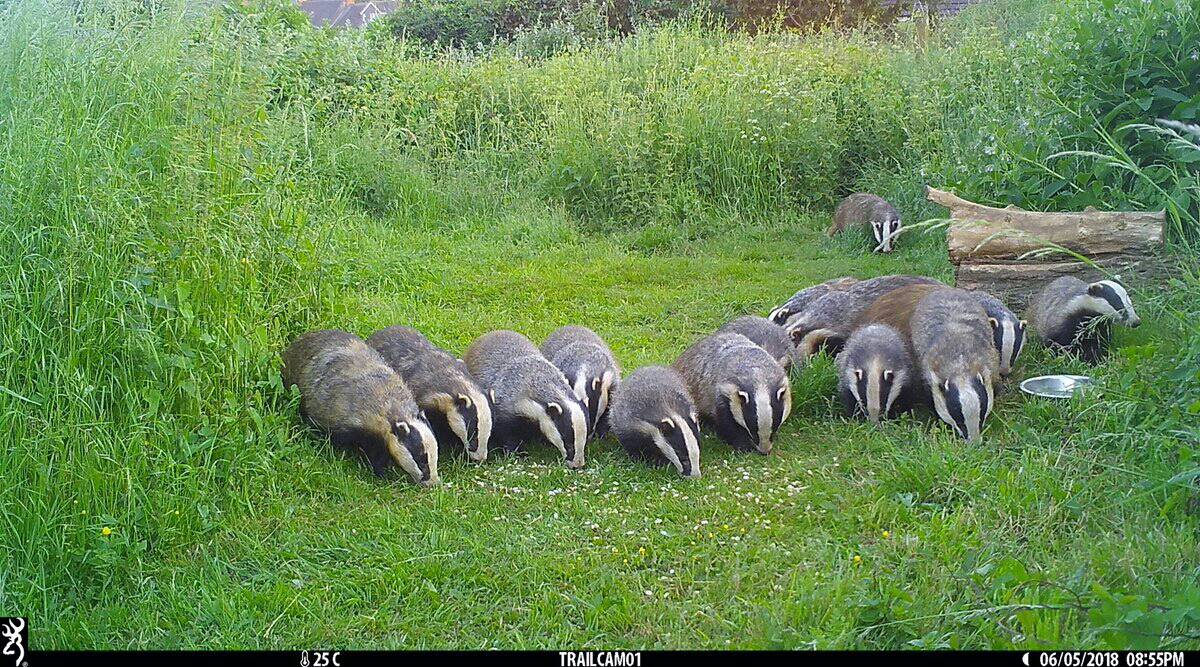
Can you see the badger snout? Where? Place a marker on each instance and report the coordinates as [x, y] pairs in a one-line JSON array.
[[1133, 321], [575, 464], [432, 480]]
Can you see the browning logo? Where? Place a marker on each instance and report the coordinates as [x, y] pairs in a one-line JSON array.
[[13, 635]]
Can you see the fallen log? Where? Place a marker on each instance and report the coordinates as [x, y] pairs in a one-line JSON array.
[[1000, 249]]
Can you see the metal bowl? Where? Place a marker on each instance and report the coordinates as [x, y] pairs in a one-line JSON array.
[[1057, 386]]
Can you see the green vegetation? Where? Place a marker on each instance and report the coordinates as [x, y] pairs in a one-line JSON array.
[[184, 191]]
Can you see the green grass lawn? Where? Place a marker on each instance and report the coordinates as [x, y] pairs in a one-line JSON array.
[[846, 535]]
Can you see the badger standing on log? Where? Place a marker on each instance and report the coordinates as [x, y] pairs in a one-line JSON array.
[[531, 396], [1073, 316], [348, 390], [590, 367], [457, 408], [952, 343], [863, 209], [876, 374], [765, 334], [1008, 330], [655, 419], [738, 388]]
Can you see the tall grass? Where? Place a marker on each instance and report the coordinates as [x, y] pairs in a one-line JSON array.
[[181, 190]]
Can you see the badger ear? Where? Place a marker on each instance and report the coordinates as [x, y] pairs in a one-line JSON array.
[[669, 424], [744, 396], [1096, 289], [595, 384], [492, 395], [781, 393], [858, 373], [554, 408], [1023, 324], [889, 375], [994, 322], [796, 334], [402, 428], [464, 400], [946, 385]]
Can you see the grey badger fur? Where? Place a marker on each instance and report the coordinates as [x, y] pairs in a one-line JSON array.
[[876, 374], [952, 343], [590, 367], [457, 408], [1074, 316], [738, 388], [765, 334], [828, 321], [863, 209], [531, 396], [348, 390], [655, 419], [1008, 330], [801, 299]]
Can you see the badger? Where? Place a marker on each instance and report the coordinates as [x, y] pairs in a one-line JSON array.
[[350, 392], [862, 209], [590, 367], [1074, 316], [1008, 330], [876, 375], [952, 345], [801, 299], [457, 408], [829, 320], [895, 309], [738, 388], [655, 419], [765, 334], [530, 395]]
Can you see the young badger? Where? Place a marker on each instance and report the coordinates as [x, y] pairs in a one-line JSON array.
[[531, 396], [800, 300], [590, 367], [862, 209], [348, 390], [1008, 330], [876, 375], [1071, 315], [457, 408], [738, 387], [828, 321], [952, 344], [654, 419], [765, 334]]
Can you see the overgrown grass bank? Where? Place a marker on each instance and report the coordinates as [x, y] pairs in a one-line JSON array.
[[183, 192]]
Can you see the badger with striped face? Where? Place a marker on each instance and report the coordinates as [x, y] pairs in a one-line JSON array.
[[800, 300], [531, 397], [654, 418], [350, 392], [1008, 330], [590, 367], [458, 409], [1070, 315], [739, 389], [863, 209], [765, 334], [952, 344], [876, 374], [824, 324]]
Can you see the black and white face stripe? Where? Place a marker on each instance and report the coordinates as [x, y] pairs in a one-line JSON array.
[[1110, 298], [415, 450], [563, 423], [469, 417], [759, 410], [1008, 335], [594, 391], [964, 403], [875, 389], [678, 439], [780, 315], [885, 232]]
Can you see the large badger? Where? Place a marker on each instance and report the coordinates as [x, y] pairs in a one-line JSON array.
[[801, 299], [1008, 330], [738, 388], [348, 390], [765, 334], [952, 344], [828, 320], [876, 375], [863, 209], [655, 419], [457, 408], [532, 397], [590, 367], [1071, 315]]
